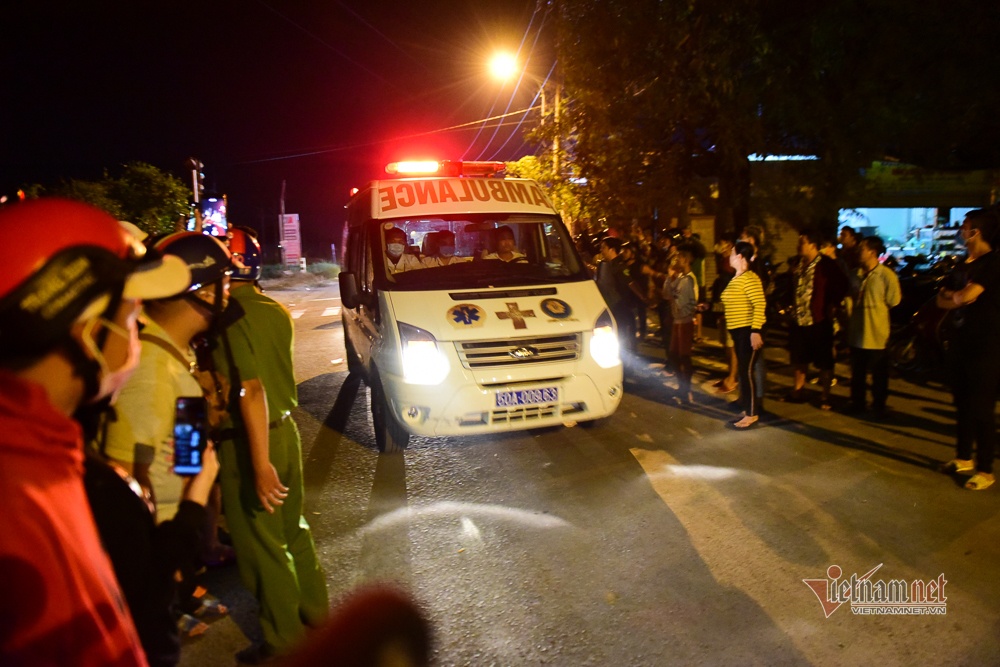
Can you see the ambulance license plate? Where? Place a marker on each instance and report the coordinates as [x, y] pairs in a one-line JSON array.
[[511, 399]]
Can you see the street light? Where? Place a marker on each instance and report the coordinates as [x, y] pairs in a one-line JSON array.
[[504, 66]]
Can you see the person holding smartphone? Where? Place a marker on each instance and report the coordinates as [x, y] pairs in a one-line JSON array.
[[141, 438]]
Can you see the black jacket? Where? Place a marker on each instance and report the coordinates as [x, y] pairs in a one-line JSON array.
[[145, 555]]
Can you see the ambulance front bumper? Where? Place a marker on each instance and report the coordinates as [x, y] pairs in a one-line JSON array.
[[472, 407]]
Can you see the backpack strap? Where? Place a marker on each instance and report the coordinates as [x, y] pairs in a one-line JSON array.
[[174, 352]]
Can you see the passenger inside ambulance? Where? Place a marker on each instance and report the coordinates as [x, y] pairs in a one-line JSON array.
[[506, 247], [475, 251], [397, 259], [439, 249]]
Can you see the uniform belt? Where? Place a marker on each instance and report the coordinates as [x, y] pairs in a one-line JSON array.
[[231, 433]]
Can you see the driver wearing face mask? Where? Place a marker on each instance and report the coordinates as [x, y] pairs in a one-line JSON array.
[[445, 254], [397, 259]]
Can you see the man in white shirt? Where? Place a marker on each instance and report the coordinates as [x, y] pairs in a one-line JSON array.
[[868, 333], [444, 254], [397, 259], [506, 247]]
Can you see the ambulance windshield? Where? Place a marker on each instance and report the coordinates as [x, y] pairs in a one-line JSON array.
[[477, 250]]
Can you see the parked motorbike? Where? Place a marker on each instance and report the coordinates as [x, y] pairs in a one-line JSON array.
[[921, 331], [919, 348]]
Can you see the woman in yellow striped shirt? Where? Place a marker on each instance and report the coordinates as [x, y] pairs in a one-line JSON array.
[[744, 303]]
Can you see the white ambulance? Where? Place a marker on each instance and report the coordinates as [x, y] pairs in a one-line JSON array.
[[467, 310]]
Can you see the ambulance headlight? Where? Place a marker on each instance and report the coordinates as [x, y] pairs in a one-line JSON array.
[[604, 342], [423, 362]]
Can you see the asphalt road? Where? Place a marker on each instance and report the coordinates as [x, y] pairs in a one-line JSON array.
[[658, 537]]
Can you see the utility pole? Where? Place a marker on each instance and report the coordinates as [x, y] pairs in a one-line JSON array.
[[556, 129], [197, 187], [556, 144], [281, 223]]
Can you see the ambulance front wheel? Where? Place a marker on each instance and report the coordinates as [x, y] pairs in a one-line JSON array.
[[390, 437]]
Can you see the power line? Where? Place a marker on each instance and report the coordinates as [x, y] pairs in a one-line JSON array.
[[520, 79], [326, 44], [380, 34], [383, 141], [493, 106], [523, 118]]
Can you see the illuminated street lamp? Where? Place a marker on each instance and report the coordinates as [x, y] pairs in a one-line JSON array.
[[504, 66]]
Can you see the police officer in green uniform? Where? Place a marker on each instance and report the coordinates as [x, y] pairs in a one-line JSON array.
[[261, 455]]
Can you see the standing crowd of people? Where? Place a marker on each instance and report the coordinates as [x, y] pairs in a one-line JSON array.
[[839, 303], [103, 336], [103, 339]]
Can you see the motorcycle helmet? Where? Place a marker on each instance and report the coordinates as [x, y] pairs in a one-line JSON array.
[[211, 264], [65, 262], [207, 257], [247, 255]]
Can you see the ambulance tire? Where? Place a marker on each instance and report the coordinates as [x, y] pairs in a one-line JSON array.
[[390, 437]]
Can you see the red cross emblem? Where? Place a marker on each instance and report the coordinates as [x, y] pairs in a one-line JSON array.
[[516, 315]]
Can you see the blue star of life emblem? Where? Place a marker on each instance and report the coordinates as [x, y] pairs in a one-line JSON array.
[[465, 314]]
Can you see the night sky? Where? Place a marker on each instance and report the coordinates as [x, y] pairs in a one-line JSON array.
[[320, 94]]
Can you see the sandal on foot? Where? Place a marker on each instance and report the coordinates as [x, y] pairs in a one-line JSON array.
[[958, 465], [189, 626], [723, 389], [980, 482], [211, 607], [746, 422]]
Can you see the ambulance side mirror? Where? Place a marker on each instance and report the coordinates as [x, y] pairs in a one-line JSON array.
[[349, 290]]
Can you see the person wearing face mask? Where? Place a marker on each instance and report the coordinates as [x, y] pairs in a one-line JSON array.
[[70, 292], [140, 439], [445, 254], [974, 294], [397, 259]]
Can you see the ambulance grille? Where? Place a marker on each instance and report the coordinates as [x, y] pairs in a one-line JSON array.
[[519, 351]]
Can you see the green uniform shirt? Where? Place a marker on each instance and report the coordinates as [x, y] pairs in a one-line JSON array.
[[264, 357], [275, 553]]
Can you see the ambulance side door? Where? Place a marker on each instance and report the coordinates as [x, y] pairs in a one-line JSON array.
[[359, 321], [368, 319]]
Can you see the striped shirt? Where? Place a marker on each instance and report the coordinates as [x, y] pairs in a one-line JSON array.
[[744, 301]]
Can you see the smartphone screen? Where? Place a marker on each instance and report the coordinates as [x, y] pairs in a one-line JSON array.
[[190, 427]]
